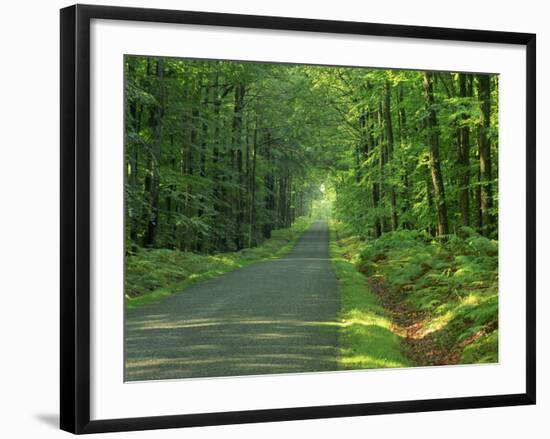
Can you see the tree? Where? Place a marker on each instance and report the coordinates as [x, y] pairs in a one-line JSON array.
[[484, 146], [220, 154], [463, 156], [152, 182], [435, 166], [390, 146]]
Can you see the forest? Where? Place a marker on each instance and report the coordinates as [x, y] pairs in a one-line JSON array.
[[222, 157], [219, 153]]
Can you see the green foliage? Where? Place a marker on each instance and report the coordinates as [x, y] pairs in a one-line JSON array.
[[194, 129], [218, 154], [366, 338], [452, 284], [221, 156], [481, 246], [483, 350]]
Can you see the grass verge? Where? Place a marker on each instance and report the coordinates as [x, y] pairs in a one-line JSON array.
[[442, 297], [152, 274], [366, 338]]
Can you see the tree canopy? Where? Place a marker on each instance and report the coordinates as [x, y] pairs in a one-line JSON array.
[[220, 153]]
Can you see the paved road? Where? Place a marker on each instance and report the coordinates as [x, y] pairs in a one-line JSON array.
[[274, 316]]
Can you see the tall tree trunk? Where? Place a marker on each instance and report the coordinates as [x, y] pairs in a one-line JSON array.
[[133, 212], [403, 139], [154, 182], [430, 199], [269, 188], [171, 206], [246, 184], [435, 166], [382, 160], [369, 149], [282, 201], [189, 210], [252, 220], [484, 96], [463, 159], [390, 147], [201, 239], [289, 210], [237, 161], [219, 238], [479, 218]]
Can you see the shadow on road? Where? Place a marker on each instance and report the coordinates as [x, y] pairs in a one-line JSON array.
[[276, 316]]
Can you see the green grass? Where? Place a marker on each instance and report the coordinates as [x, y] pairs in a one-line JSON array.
[[152, 274], [451, 286], [365, 338]]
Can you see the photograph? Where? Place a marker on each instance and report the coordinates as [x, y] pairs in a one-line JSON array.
[[293, 218]]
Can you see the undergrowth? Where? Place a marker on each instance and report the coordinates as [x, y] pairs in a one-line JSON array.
[[366, 338], [152, 274], [443, 295]]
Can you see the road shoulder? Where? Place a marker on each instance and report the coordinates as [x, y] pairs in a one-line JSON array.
[[365, 337]]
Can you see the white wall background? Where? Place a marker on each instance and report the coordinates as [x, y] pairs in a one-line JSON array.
[[29, 206]]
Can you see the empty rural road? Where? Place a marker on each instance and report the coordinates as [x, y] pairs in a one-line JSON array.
[[275, 316]]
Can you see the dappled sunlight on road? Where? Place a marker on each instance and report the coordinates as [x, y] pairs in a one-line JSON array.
[[276, 316]]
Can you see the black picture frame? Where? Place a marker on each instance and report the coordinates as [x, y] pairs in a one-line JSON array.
[[75, 217]]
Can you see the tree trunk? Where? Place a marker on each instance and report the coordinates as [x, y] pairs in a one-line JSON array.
[[201, 243], [485, 171], [390, 146], [189, 239], [218, 239], [237, 161], [382, 159], [403, 139], [463, 159], [435, 166], [375, 190], [269, 188], [154, 182], [479, 219], [135, 112], [282, 202], [252, 220]]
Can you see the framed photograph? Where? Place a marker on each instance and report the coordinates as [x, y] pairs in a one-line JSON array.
[[268, 218]]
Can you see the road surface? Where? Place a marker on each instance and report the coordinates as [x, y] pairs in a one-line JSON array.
[[275, 316]]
